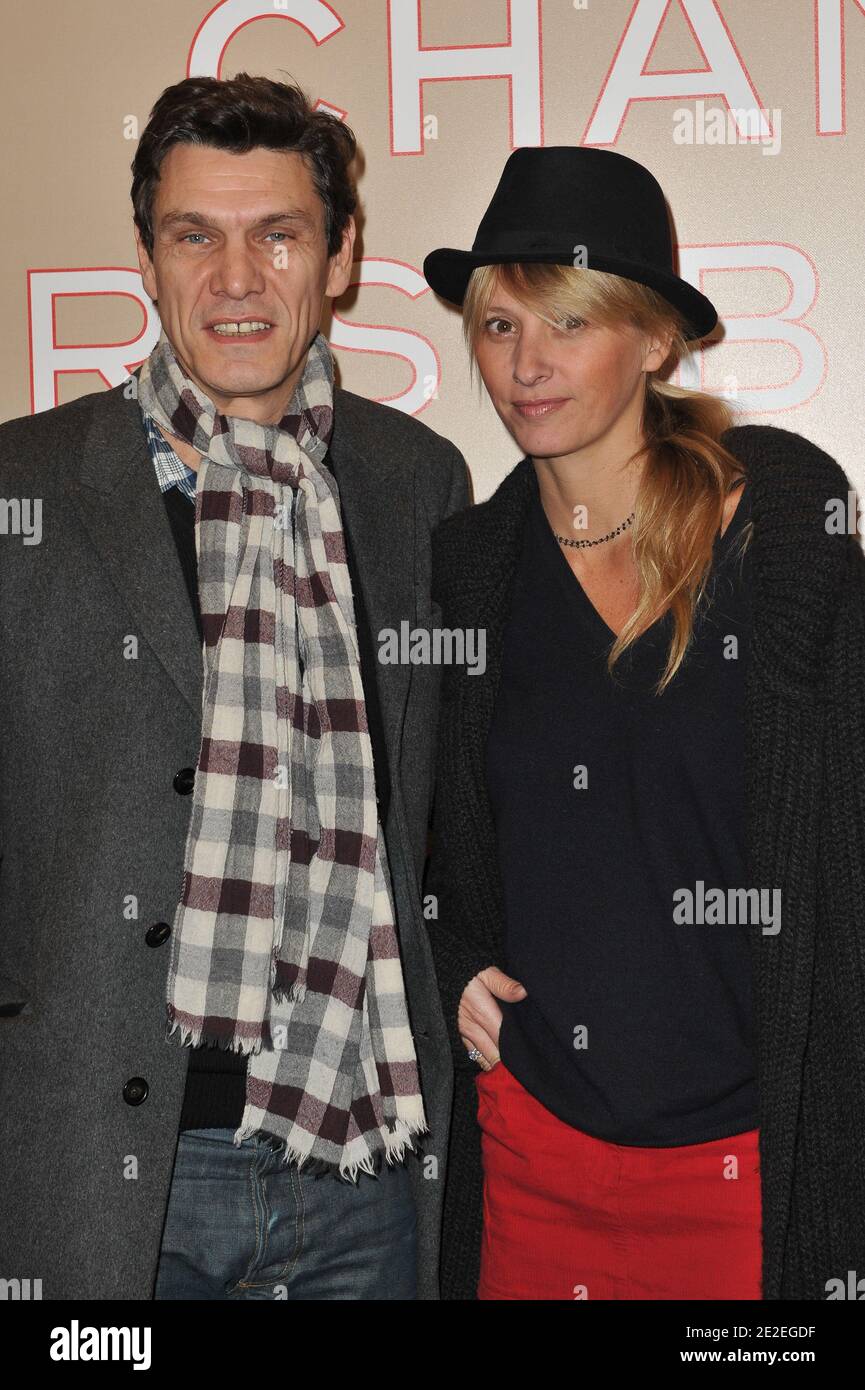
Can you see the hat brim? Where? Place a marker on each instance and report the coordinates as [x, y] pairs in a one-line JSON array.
[[447, 271]]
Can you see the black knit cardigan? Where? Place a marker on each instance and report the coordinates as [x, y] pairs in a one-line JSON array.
[[805, 834]]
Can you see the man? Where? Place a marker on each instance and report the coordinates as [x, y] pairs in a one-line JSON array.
[[193, 705]]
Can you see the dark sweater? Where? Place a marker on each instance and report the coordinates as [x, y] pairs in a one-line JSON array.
[[215, 1093], [661, 1006], [805, 834]]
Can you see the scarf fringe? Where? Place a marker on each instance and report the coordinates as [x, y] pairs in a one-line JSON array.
[[195, 1037], [295, 994], [400, 1139], [296, 991], [398, 1147]]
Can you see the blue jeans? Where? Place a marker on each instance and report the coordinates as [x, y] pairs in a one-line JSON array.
[[241, 1223]]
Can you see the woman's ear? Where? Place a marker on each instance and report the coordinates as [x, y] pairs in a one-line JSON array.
[[656, 350]]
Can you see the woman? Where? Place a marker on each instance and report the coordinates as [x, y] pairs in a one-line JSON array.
[[648, 833]]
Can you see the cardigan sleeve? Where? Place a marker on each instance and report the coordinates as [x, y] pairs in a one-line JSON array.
[[845, 689], [458, 953], [458, 947]]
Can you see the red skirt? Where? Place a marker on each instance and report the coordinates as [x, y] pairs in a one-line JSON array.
[[568, 1216]]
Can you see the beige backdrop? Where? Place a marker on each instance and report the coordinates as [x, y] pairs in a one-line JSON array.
[[767, 202]]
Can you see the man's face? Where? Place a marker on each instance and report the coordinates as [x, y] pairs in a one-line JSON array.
[[240, 239]]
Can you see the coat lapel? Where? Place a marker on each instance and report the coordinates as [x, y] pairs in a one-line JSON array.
[[378, 513], [117, 497]]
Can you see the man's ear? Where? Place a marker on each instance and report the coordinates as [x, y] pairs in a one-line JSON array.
[[145, 265], [339, 274]]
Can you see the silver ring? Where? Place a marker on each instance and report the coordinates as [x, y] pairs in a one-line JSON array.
[[475, 1055]]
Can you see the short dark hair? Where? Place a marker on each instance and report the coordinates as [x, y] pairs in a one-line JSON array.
[[239, 114]]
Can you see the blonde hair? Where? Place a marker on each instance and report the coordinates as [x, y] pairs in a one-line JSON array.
[[688, 472]]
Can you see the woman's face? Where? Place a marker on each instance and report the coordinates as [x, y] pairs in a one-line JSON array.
[[562, 390]]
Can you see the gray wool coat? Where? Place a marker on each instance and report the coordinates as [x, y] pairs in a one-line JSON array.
[[92, 832]]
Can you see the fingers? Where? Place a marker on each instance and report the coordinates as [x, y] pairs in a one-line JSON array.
[[502, 985], [477, 1038], [479, 1010], [479, 1018]]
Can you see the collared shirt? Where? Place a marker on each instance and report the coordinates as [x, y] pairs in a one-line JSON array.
[[170, 470]]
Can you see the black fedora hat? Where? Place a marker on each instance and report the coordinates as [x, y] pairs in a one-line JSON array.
[[571, 205]]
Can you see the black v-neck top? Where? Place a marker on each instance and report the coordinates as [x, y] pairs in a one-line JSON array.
[[637, 1028]]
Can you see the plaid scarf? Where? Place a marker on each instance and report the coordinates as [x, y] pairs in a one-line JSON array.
[[284, 944]]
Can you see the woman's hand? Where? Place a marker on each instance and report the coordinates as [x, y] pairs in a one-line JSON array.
[[479, 1017]]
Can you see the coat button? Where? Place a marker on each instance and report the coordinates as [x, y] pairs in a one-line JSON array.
[[135, 1090], [159, 932], [184, 780]]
